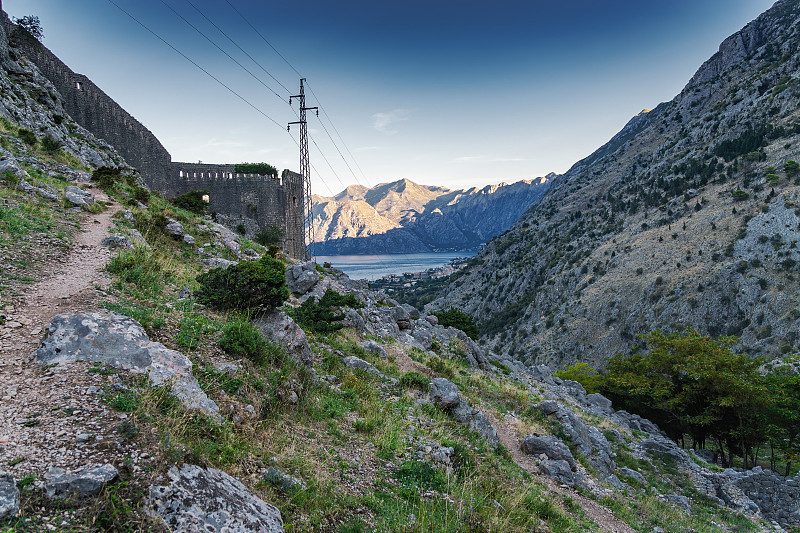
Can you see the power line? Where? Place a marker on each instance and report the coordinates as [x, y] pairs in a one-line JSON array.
[[263, 38], [195, 28], [355, 161], [239, 47], [187, 58]]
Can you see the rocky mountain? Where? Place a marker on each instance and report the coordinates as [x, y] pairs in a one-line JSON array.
[[686, 218], [405, 217]]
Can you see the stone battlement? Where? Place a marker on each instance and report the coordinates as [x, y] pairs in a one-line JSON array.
[[264, 200]]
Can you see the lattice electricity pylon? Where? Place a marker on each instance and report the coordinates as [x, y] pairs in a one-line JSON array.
[[305, 170]]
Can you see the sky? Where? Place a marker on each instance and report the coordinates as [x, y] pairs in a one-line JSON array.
[[455, 93]]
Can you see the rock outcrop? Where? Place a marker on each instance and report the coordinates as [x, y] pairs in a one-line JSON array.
[[121, 342], [198, 499]]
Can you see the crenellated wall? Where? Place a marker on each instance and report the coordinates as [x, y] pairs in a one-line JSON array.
[[265, 200]]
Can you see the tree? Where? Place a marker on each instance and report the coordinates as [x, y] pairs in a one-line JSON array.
[[791, 167], [32, 25], [688, 383], [459, 320]]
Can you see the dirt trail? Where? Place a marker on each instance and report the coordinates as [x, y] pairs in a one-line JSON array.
[[54, 416], [603, 517]]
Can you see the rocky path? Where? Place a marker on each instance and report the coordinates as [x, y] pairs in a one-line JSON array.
[[54, 416], [604, 518]]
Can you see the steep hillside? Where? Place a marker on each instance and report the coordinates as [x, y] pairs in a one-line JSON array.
[[403, 216], [688, 217]]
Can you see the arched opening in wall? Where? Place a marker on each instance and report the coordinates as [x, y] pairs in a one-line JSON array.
[[206, 198], [294, 201], [181, 174], [78, 86]]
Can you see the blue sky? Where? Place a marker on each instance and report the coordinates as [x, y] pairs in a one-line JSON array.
[[442, 92]]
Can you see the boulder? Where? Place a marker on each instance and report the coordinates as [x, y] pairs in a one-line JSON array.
[[552, 447], [301, 277], [115, 242], [681, 502], [444, 395], [375, 348], [558, 469], [402, 318], [188, 239], [359, 364], [9, 497], [83, 483], [121, 342], [77, 196], [199, 499], [279, 327], [665, 448], [632, 474], [11, 165], [174, 228]]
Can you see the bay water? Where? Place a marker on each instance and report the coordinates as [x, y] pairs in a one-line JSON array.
[[372, 267]]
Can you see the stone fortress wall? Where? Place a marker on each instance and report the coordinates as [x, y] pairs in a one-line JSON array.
[[264, 200]]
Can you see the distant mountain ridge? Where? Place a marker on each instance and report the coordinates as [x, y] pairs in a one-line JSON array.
[[406, 217], [688, 217]]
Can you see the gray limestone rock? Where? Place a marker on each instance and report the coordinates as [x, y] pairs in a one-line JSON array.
[[88, 481], [11, 165], [116, 241], [433, 320], [198, 499], [552, 447], [599, 404], [359, 364], [77, 196], [681, 502], [136, 238], [282, 480], [558, 469], [375, 348], [217, 262], [9, 496], [174, 228], [121, 342], [402, 318], [632, 474], [664, 447], [188, 239], [301, 277], [279, 327], [444, 394]]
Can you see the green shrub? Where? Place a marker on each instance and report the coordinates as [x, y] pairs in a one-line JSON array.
[[27, 136], [106, 177], [246, 285], [739, 195], [414, 380], [420, 475], [51, 145], [583, 374], [264, 169], [192, 201], [322, 317], [791, 167], [241, 339], [459, 320], [269, 236], [241, 229], [140, 268]]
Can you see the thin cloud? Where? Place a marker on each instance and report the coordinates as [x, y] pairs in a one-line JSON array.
[[383, 121], [472, 158]]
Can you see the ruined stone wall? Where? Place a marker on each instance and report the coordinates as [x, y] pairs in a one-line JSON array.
[[95, 110], [266, 200], [241, 197]]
